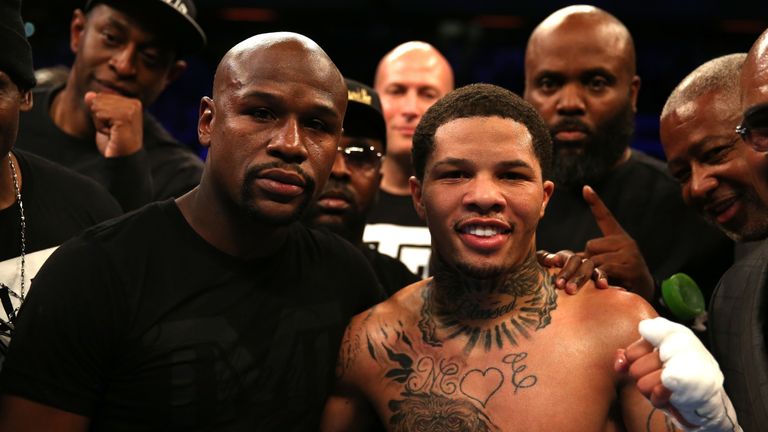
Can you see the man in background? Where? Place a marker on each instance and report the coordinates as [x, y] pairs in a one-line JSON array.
[[126, 54], [580, 76], [409, 79], [345, 202]]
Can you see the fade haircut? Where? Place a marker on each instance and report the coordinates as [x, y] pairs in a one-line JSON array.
[[721, 74], [480, 100]]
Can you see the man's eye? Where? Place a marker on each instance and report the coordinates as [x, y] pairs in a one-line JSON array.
[[717, 154], [682, 175], [262, 114], [317, 124], [513, 175], [454, 174], [548, 84], [109, 38], [598, 84]]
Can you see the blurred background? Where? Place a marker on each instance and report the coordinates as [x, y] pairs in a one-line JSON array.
[[484, 40]]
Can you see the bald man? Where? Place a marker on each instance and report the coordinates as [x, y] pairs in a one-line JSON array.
[[580, 76], [215, 311], [409, 79]]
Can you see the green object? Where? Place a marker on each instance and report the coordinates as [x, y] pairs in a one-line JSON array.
[[682, 296]]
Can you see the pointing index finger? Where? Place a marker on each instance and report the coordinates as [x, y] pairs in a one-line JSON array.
[[605, 221]]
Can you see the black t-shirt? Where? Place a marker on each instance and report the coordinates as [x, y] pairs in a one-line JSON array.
[[164, 168], [647, 202], [392, 274], [395, 210], [140, 324], [58, 204]]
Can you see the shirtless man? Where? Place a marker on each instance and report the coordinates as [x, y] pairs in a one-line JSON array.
[[487, 343]]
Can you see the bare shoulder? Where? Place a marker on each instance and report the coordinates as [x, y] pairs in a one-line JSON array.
[[613, 313], [382, 323]]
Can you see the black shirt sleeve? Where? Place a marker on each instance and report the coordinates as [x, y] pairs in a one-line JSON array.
[[66, 332]]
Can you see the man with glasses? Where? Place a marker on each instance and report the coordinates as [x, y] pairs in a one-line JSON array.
[[710, 161], [740, 302], [353, 188]]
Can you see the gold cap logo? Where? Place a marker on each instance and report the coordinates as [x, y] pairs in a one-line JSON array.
[[361, 96]]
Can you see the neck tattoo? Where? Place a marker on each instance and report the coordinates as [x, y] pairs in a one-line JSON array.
[[23, 231]]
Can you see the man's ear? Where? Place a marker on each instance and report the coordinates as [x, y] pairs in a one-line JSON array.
[[207, 111], [76, 29], [549, 189], [418, 204], [26, 101], [177, 68], [634, 90]]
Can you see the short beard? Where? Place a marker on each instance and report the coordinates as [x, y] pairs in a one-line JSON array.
[[600, 152], [256, 213]]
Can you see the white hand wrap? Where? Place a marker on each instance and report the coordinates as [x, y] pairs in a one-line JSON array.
[[692, 375]]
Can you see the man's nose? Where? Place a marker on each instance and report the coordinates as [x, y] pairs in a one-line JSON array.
[[340, 170], [288, 143], [570, 100], [123, 62], [484, 195], [702, 181]]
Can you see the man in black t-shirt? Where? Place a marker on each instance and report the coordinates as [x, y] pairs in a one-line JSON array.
[[41, 204], [580, 76], [126, 54], [217, 311], [353, 188]]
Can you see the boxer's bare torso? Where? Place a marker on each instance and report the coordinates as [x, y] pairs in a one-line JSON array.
[[527, 360]]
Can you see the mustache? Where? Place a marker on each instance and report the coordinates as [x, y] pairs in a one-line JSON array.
[[570, 124], [338, 188], [255, 171]]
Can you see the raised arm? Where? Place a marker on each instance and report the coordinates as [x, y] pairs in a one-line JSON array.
[[677, 374]]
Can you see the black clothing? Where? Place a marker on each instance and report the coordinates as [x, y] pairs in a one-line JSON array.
[[396, 210], [58, 205], [392, 274], [164, 168], [155, 329], [737, 325], [648, 203]]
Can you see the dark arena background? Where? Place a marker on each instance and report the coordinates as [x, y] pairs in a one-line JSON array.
[[483, 39]]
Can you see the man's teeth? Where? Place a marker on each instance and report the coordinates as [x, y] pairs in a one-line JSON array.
[[483, 231]]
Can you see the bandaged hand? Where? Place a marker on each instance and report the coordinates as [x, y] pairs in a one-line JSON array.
[[676, 373]]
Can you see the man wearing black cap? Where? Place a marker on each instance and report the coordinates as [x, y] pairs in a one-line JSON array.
[[353, 187], [41, 204], [126, 53]]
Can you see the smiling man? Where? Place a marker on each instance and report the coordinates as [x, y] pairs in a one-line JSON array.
[[705, 154], [126, 54], [216, 311], [481, 345]]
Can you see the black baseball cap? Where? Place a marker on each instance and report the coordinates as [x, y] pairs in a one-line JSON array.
[[179, 14], [364, 117], [16, 55]]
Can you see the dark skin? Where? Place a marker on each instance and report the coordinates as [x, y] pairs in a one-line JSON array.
[[280, 126], [569, 76]]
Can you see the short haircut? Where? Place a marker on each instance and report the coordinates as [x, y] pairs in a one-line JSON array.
[[480, 100], [721, 74]]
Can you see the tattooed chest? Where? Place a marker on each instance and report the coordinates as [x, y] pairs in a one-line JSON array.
[[432, 393]]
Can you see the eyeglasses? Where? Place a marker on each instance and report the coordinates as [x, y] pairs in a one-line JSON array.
[[360, 158], [754, 128]]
